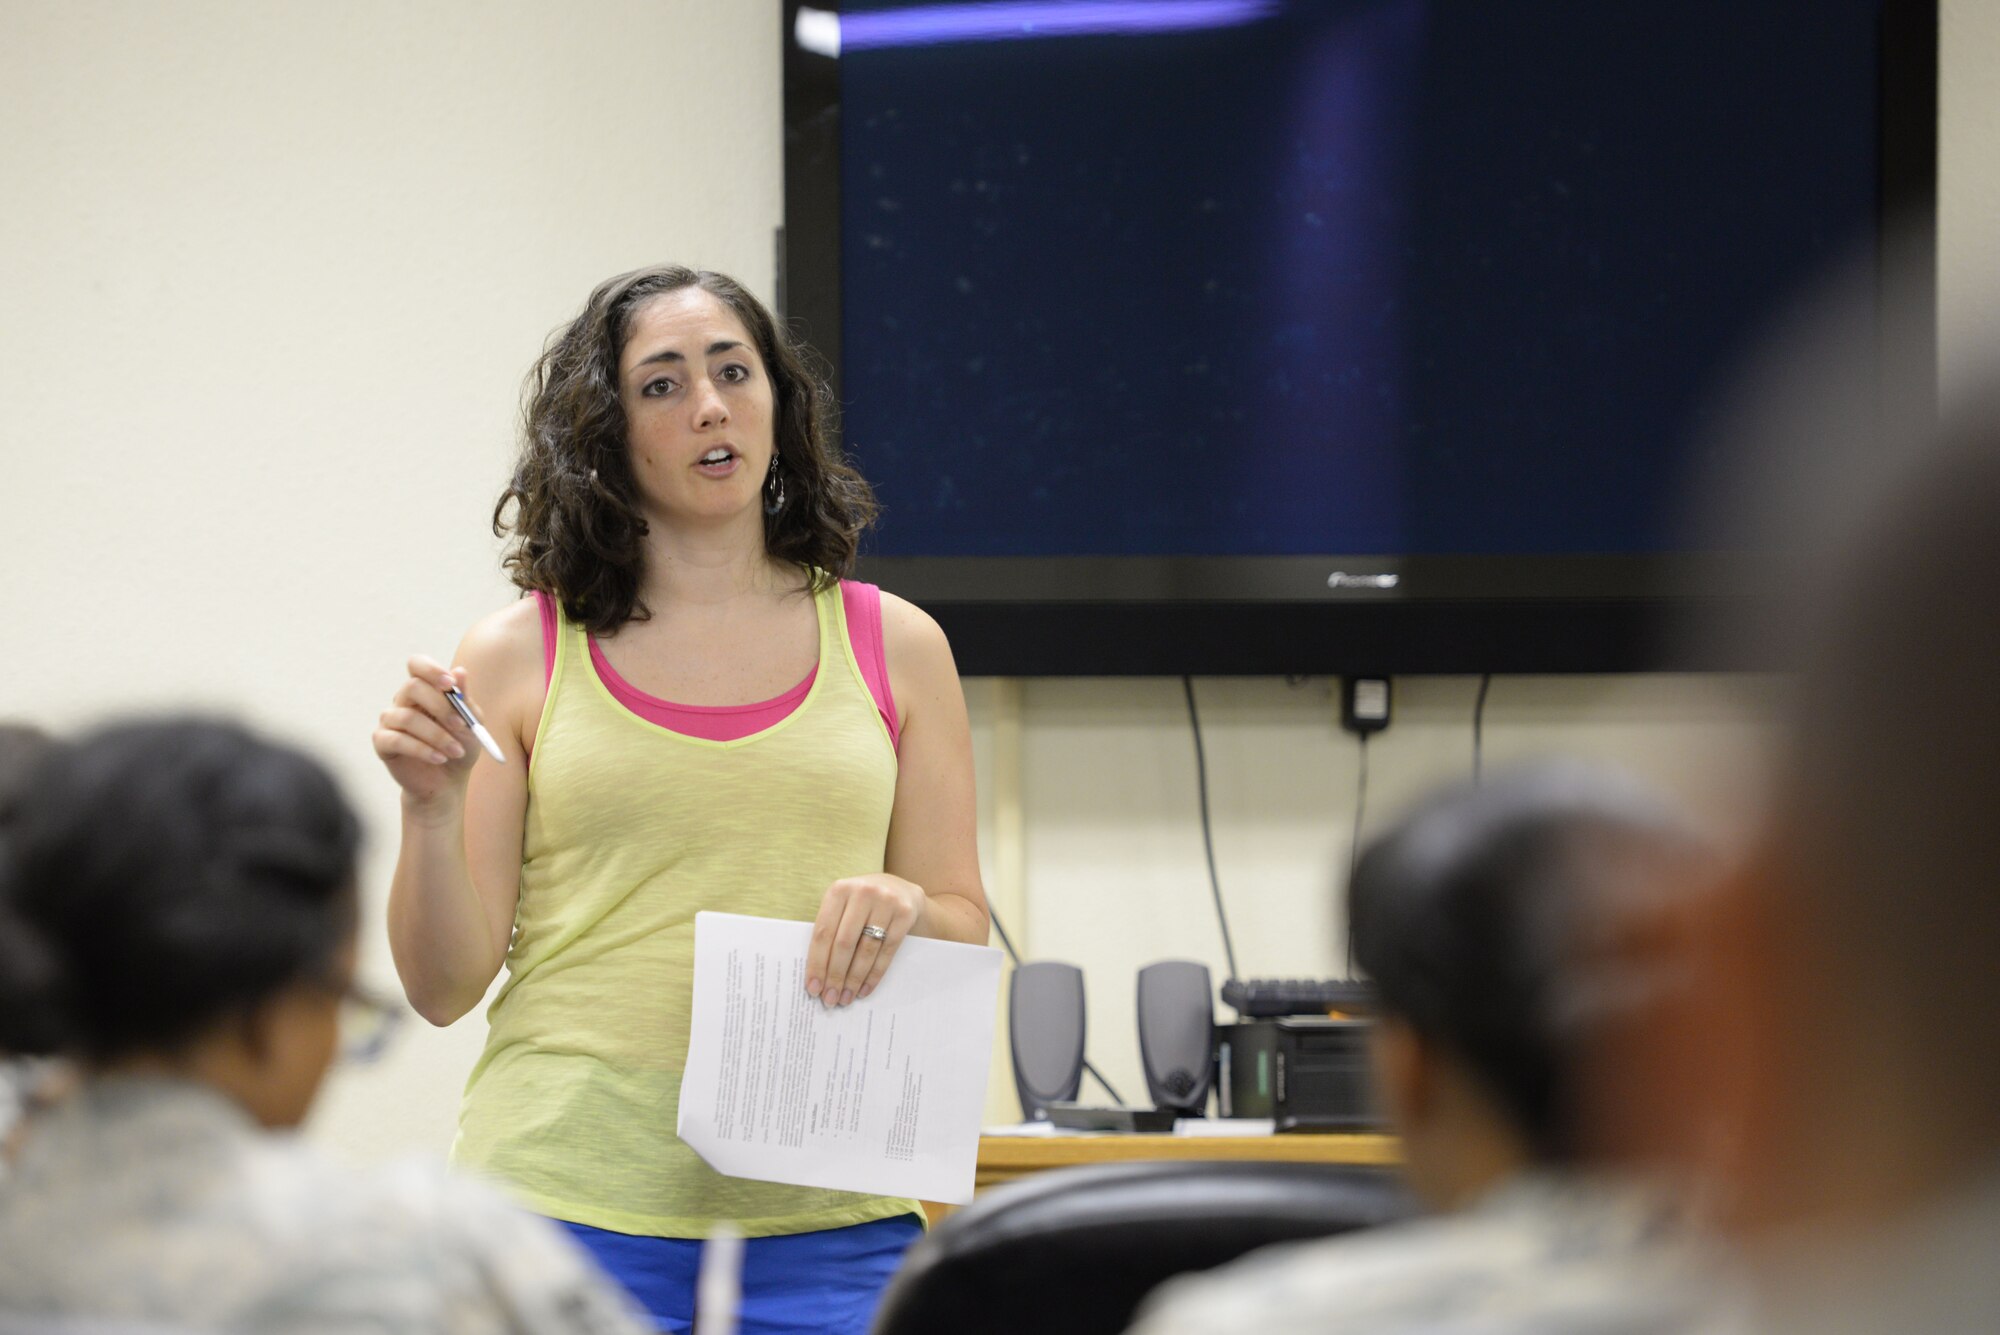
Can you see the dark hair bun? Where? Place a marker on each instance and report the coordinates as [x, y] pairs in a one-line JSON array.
[[1466, 914], [160, 875], [31, 1000], [29, 974]]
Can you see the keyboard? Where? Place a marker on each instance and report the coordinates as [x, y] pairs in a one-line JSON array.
[[1260, 998]]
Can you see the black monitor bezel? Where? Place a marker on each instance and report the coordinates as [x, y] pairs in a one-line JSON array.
[[1171, 616]]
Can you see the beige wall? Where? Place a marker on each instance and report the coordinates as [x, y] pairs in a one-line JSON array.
[[1968, 184], [271, 273]]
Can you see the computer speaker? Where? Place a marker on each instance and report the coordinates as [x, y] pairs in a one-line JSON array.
[[1177, 1034], [1045, 1028]]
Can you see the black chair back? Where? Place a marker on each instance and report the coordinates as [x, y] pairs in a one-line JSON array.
[[1074, 1251]]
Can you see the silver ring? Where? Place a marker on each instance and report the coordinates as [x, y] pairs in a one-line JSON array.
[[874, 933]]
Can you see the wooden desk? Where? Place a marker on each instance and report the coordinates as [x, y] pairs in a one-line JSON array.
[[1005, 1158]]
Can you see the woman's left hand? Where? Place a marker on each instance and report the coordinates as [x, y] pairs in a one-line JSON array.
[[848, 956]]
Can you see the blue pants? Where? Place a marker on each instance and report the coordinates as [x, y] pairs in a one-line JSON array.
[[826, 1281]]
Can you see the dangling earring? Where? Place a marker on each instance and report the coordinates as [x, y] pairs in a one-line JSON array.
[[774, 489]]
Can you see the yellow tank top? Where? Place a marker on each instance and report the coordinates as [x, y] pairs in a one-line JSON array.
[[631, 830]]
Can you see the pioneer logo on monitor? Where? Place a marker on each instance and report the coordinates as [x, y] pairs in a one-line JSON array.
[[1340, 579]]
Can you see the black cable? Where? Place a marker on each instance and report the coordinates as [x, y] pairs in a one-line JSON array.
[[1207, 832], [1354, 845], [1479, 724], [1008, 943], [1116, 1098]]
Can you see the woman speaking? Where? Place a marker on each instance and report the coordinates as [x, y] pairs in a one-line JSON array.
[[697, 711]]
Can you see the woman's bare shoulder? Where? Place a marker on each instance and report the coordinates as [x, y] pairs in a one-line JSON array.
[[917, 653], [908, 629], [504, 647]]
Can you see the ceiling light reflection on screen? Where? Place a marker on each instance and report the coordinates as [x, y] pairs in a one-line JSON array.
[[827, 33]]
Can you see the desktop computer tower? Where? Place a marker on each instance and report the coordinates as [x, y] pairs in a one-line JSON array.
[[1305, 1072]]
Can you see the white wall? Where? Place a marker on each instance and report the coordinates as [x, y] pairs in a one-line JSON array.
[[271, 274]]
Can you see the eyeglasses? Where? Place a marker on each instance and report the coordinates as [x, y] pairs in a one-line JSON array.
[[367, 1022]]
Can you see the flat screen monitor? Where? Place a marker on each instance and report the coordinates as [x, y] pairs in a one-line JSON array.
[[1320, 335]]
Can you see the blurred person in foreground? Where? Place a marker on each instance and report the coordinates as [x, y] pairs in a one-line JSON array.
[[177, 917], [1847, 1089], [1490, 921]]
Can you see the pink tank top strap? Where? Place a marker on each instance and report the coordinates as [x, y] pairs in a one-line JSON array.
[[547, 607], [862, 604]]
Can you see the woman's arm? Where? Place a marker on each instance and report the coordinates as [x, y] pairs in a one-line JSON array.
[[930, 886], [458, 873], [934, 827]]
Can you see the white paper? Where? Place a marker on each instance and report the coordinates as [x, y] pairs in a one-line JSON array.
[[1024, 1129], [1044, 1131], [883, 1095], [1226, 1126]]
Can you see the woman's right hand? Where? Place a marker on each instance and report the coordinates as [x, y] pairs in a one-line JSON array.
[[421, 739]]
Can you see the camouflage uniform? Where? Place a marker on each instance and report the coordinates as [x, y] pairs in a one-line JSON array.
[[1934, 1271], [1540, 1254], [160, 1202]]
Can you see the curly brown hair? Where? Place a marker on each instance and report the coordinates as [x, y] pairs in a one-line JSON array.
[[577, 530]]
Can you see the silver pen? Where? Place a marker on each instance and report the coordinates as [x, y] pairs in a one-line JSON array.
[[457, 698]]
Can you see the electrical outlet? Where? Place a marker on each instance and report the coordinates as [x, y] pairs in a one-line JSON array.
[[1364, 704]]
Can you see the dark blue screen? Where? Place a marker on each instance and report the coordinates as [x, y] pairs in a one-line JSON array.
[[1327, 276]]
